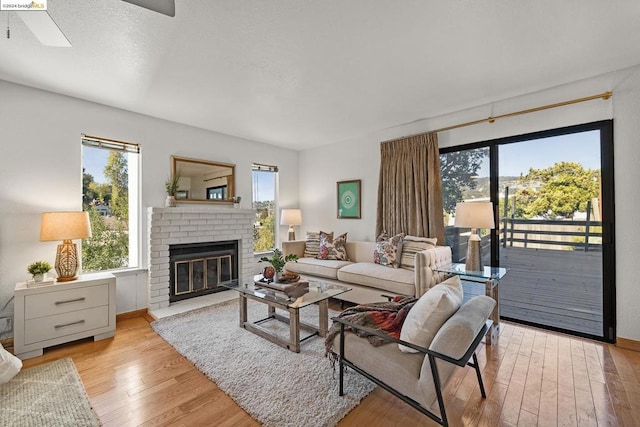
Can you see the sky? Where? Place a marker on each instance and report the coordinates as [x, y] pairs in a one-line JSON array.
[[583, 148], [93, 161]]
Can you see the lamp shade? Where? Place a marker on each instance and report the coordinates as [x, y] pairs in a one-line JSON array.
[[291, 217], [64, 226], [474, 215]]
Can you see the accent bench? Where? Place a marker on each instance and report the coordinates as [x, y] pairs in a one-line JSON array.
[[418, 378]]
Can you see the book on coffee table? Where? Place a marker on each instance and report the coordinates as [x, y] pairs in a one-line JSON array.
[[292, 290]]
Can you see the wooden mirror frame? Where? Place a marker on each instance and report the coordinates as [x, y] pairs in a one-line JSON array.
[[176, 163]]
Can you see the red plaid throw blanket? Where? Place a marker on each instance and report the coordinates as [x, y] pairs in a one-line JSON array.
[[387, 317]]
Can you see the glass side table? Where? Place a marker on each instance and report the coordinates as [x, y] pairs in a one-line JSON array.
[[490, 276]]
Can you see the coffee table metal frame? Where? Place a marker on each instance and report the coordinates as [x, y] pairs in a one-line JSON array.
[[319, 294]]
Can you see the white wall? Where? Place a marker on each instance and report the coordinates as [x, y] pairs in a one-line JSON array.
[[320, 168], [40, 170]]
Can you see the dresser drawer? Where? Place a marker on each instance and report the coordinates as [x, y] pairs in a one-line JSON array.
[[65, 301], [60, 325]]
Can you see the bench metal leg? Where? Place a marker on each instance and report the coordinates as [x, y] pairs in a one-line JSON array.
[[479, 375], [341, 366]]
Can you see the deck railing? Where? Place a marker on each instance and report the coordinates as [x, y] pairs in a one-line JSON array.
[[585, 235]]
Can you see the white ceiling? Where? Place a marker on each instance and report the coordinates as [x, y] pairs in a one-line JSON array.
[[304, 73]]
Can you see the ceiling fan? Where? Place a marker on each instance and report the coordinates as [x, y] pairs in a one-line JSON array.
[[49, 34]]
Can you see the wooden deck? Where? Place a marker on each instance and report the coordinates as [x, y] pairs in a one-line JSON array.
[[558, 288]]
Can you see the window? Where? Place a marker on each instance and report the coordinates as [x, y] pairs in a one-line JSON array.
[[264, 202], [110, 195], [554, 216], [217, 193]]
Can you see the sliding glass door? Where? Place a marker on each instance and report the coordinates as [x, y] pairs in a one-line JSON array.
[[553, 198]]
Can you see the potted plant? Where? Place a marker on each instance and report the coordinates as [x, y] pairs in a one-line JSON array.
[[38, 269], [277, 261], [172, 185]]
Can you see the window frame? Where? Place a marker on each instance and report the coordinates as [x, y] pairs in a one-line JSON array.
[[135, 214], [261, 167]]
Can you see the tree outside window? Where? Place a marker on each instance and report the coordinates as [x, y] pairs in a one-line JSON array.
[[105, 196], [264, 204]]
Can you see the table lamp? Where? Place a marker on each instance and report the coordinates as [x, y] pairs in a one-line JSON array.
[[474, 215], [291, 217], [65, 226]]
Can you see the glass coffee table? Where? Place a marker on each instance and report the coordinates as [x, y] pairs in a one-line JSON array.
[[319, 294]]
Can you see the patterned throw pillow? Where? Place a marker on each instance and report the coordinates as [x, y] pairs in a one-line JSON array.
[[388, 250], [411, 246], [312, 244], [331, 248]]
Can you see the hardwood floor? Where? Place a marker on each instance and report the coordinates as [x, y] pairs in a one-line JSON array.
[[532, 377]]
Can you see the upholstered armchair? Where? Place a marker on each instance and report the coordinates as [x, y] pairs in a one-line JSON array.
[[418, 378]]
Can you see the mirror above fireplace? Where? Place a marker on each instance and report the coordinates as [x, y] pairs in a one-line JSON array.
[[203, 181]]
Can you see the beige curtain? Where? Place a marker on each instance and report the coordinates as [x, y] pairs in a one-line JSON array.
[[410, 187]]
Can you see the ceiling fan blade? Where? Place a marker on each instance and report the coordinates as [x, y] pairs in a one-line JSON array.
[[44, 28], [166, 7]]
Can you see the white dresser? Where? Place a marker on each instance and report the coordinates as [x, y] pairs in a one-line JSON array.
[[61, 312]]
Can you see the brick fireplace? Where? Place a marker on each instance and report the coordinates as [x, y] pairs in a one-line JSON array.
[[184, 225]]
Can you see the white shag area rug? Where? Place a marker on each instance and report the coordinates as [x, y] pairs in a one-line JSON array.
[[47, 395], [275, 386]]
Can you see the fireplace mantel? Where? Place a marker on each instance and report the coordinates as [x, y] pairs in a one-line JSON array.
[[171, 226]]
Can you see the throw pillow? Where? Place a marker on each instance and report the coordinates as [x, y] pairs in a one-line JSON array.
[[331, 248], [312, 244], [411, 245], [388, 250], [9, 365], [428, 315]]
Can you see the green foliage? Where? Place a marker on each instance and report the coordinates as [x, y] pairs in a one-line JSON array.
[[108, 248], [88, 194], [459, 170], [266, 234], [277, 260], [39, 267], [565, 188], [172, 185], [116, 172]]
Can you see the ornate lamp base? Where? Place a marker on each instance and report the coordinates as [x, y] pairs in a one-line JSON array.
[[67, 261]]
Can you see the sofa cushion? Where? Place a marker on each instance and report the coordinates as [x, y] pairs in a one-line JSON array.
[[317, 267], [312, 244], [389, 280], [411, 245], [9, 365], [388, 250], [430, 312], [331, 248]]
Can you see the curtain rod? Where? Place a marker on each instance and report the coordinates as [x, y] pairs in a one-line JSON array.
[[491, 119]]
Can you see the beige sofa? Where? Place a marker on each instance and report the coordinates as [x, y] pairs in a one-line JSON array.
[[370, 282]]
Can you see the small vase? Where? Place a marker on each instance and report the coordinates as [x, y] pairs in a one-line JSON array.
[[170, 202], [38, 278]]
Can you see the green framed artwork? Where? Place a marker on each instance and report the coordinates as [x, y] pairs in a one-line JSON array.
[[349, 199]]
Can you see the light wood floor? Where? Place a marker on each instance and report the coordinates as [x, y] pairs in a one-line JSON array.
[[532, 378]]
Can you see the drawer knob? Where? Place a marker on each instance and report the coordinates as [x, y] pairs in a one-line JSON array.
[[79, 322], [70, 300]]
